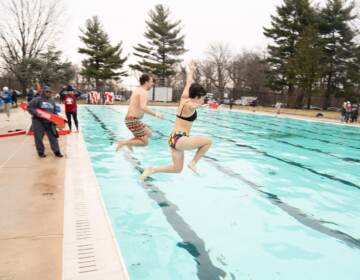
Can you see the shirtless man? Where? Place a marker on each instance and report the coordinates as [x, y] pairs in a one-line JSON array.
[[137, 108]]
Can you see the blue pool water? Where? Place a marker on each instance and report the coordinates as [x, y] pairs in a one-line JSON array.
[[277, 198]]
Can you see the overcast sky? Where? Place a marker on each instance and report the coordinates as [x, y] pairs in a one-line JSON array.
[[239, 23]]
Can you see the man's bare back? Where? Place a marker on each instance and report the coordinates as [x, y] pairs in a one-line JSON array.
[[135, 109]]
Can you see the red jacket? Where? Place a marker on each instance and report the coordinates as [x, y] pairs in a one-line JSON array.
[[70, 103]]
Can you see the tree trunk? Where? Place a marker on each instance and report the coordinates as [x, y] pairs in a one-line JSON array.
[[327, 94], [291, 100], [97, 85], [299, 99], [308, 99]]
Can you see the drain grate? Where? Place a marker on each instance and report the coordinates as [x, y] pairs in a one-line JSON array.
[[90, 250]]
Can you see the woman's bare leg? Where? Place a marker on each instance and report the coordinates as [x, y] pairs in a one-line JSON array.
[[175, 167], [201, 143]]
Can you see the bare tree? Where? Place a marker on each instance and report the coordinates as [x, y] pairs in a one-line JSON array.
[[247, 73], [27, 27], [207, 70], [218, 56]]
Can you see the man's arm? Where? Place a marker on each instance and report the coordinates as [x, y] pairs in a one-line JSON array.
[[33, 106], [145, 109]]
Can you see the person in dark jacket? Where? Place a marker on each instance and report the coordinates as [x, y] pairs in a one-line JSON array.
[[14, 99], [6, 96], [40, 125], [69, 96], [30, 94], [354, 113]]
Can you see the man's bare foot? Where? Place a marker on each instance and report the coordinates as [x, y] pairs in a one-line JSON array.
[[192, 166], [147, 172], [119, 145]]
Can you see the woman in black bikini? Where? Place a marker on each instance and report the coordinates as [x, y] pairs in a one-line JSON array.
[[180, 139]]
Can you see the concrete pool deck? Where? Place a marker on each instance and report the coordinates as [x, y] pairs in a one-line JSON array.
[[31, 206], [53, 224]]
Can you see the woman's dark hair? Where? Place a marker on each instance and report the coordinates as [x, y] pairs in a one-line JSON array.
[[196, 90], [144, 78]]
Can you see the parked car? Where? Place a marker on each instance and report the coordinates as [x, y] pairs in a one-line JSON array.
[[83, 96], [312, 107], [246, 101], [253, 103], [119, 97], [18, 93], [333, 109], [279, 104]]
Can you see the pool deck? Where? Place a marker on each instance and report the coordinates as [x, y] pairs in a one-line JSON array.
[[31, 206], [53, 224]]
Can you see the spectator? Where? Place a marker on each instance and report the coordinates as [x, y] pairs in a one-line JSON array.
[[6, 96], [14, 99], [354, 113], [231, 103], [278, 107], [40, 125], [30, 94], [343, 112], [348, 110], [69, 95]]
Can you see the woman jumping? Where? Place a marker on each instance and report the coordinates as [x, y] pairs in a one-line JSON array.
[[180, 139]]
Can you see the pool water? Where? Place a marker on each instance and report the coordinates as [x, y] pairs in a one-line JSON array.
[[277, 198]]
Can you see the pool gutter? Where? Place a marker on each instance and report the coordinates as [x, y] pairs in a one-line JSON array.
[[90, 249]]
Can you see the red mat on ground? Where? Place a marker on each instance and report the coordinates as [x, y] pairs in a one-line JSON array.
[[61, 132], [14, 133]]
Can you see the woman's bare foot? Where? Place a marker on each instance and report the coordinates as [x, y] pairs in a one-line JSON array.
[[192, 166], [147, 172], [119, 145]]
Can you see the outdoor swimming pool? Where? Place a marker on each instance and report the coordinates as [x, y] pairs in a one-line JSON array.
[[277, 199]]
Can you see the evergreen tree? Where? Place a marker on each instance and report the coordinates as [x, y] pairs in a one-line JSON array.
[[291, 20], [51, 70], [352, 88], [47, 68], [339, 49], [306, 64], [104, 61], [164, 47]]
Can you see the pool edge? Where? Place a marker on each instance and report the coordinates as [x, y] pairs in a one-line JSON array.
[[90, 249]]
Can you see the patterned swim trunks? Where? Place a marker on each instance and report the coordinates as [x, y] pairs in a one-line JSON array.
[[135, 126]]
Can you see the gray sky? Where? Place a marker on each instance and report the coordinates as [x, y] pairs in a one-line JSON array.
[[239, 23]]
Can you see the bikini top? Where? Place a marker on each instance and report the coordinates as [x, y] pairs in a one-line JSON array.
[[190, 118]]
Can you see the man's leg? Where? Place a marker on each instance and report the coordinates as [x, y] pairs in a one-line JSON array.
[[38, 130], [138, 140], [54, 143], [7, 110]]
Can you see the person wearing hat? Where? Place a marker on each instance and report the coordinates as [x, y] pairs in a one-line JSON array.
[[6, 96], [348, 110], [40, 126], [69, 95]]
